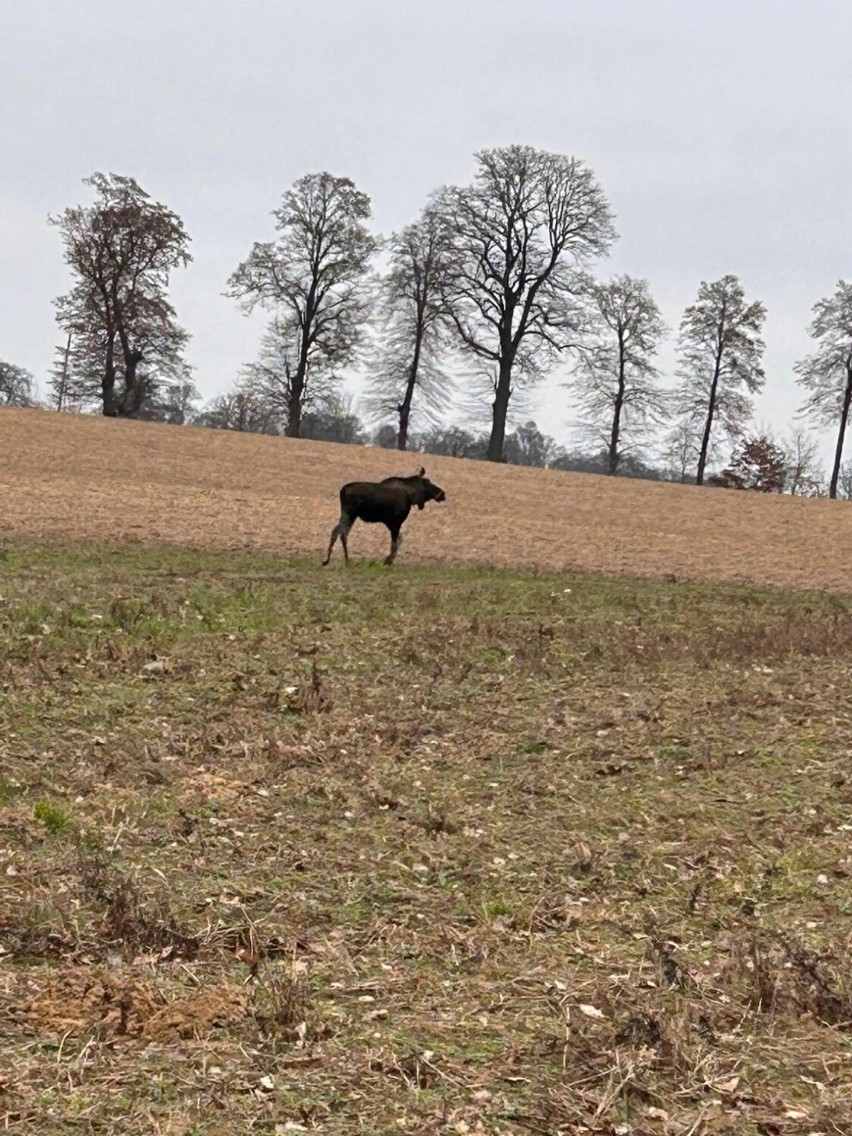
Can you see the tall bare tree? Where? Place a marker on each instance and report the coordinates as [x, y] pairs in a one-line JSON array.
[[680, 448], [125, 341], [804, 473], [720, 362], [518, 239], [313, 278], [615, 380], [16, 386], [61, 394], [827, 374], [844, 484], [407, 366]]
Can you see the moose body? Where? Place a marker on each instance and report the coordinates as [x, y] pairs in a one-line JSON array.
[[386, 502]]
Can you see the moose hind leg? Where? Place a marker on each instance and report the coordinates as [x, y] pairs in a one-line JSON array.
[[341, 529], [345, 526], [335, 533]]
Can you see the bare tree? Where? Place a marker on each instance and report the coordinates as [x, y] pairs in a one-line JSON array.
[[61, 395], [125, 343], [254, 406], [804, 474], [844, 483], [518, 238], [827, 374], [407, 365], [312, 277], [721, 355], [615, 380], [681, 447], [16, 386]]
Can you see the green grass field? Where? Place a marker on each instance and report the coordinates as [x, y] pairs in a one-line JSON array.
[[431, 850]]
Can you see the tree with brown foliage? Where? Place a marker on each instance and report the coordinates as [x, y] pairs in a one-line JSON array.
[[758, 465], [125, 343]]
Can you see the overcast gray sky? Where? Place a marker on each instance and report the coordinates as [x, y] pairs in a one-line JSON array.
[[720, 130]]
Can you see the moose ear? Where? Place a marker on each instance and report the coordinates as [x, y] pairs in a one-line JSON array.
[[422, 472]]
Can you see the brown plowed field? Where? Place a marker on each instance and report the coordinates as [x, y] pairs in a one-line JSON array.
[[64, 477]]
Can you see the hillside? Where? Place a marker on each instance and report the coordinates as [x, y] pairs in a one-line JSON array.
[[67, 477]]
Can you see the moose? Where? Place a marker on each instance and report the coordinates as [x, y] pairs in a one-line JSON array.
[[386, 502]]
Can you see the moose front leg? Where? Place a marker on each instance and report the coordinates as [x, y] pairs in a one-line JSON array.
[[396, 544]]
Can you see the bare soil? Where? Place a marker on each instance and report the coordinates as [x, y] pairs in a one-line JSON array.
[[73, 478]]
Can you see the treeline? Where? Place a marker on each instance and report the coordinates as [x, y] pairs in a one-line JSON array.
[[477, 300]]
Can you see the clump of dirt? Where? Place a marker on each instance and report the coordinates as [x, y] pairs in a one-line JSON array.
[[88, 1000], [196, 1016], [81, 1000], [213, 787]]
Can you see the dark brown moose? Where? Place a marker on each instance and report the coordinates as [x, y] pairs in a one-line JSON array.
[[386, 502]]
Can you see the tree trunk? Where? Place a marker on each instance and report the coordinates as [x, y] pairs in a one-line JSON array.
[[293, 428], [708, 425], [615, 433], [134, 391], [714, 389], [405, 406], [402, 432], [108, 381], [62, 392], [841, 433], [500, 411]]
